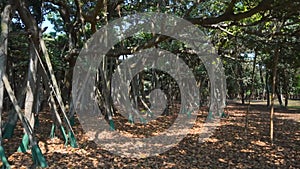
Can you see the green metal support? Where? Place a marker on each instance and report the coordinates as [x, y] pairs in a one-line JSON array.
[[52, 133], [143, 120], [37, 156], [111, 123], [72, 120], [189, 113], [150, 114], [210, 115], [24, 145], [4, 160], [36, 121], [63, 133], [73, 142], [130, 119], [8, 131], [224, 115]]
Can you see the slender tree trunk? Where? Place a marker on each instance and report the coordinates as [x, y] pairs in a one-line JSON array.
[[278, 93], [53, 82], [33, 31], [37, 100], [68, 79], [71, 59], [241, 83], [35, 150], [276, 58], [52, 104], [262, 82], [142, 87], [286, 89], [31, 86], [286, 101], [251, 91], [267, 89], [52, 75], [13, 116], [105, 84], [5, 19]]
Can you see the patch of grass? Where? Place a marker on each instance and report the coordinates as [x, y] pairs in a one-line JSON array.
[[293, 104], [294, 107]]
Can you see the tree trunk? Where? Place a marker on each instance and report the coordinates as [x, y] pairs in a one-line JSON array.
[[286, 101], [286, 89], [35, 150], [106, 92], [31, 86], [37, 100], [274, 69], [267, 89], [32, 28], [241, 83], [262, 82], [13, 116], [68, 79], [278, 93], [5, 19], [251, 91], [56, 90]]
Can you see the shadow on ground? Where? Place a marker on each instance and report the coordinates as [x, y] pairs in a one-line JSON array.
[[229, 147]]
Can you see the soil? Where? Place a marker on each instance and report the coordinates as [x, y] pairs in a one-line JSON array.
[[230, 146]]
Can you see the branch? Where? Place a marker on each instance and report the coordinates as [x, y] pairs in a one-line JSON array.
[[230, 7], [63, 10], [125, 51], [230, 16], [27, 19]]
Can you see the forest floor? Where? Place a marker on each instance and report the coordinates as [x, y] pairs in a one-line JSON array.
[[228, 147]]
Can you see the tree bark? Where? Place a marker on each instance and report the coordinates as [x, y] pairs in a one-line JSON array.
[[251, 91], [278, 93], [54, 85], [35, 148], [267, 89], [33, 31], [5, 19], [31, 87], [274, 69], [286, 89], [286, 101], [241, 83], [106, 92], [262, 82]]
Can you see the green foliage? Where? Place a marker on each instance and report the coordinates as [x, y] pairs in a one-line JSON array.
[[57, 49], [297, 80], [55, 19]]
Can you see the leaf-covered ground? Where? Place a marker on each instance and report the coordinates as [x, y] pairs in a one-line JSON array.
[[229, 147]]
